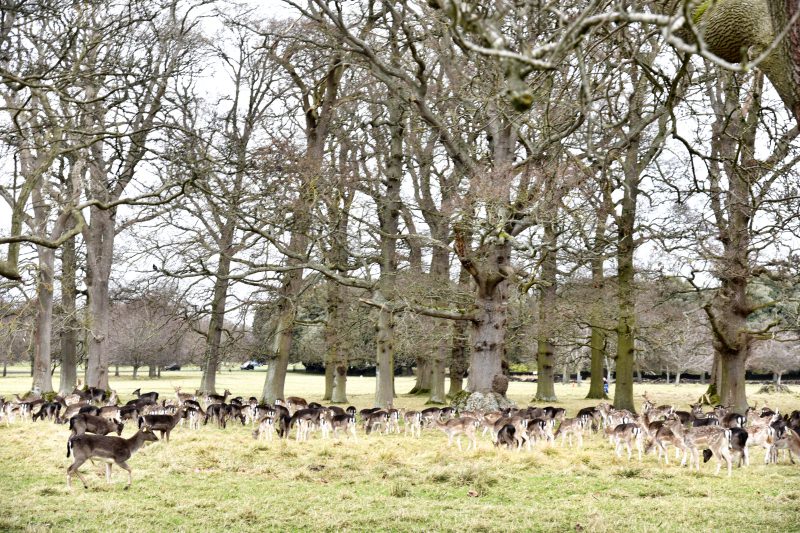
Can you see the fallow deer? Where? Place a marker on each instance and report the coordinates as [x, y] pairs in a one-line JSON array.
[[628, 434], [412, 421], [162, 423], [83, 423], [112, 449], [455, 427], [570, 427]]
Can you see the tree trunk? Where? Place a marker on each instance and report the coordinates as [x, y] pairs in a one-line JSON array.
[[702, 377], [458, 357], [69, 336], [668, 376], [151, 371], [438, 366], [780, 376], [384, 382], [216, 324], [336, 356], [598, 347], [135, 372], [282, 345], [422, 383], [100, 249], [116, 370], [488, 339], [545, 353], [578, 377], [5, 368], [43, 322], [732, 393], [565, 375], [639, 378]]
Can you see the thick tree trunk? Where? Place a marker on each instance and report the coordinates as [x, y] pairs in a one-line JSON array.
[[135, 372], [422, 382], [732, 391], [100, 249], [677, 378], [667, 376], [116, 370], [43, 322], [488, 339], [702, 377], [151, 371], [578, 377]]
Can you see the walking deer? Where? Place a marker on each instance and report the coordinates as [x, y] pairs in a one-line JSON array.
[[456, 427], [113, 449]]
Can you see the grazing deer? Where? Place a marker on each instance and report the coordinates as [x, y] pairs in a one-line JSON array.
[[665, 437], [540, 429], [393, 424], [715, 438], [193, 415], [49, 410], [570, 427], [520, 429], [305, 420], [163, 423], [112, 449], [507, 436], [732, 420], [455, 427], [265, 430], [83, 423], [627, 434], [343, 422], [412, 421], [216, 411], [97, 395], [376, 420], [555, 413]]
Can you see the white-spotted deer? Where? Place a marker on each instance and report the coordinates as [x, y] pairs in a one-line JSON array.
[[456, 427]]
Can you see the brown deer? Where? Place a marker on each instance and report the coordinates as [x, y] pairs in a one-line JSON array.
[[83, 423], [163, 423], [112, 449], [460, 426]]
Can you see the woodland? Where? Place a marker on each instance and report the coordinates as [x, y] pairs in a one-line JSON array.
[[465, 188]]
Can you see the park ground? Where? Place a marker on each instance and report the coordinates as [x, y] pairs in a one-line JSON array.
[[224, 480]]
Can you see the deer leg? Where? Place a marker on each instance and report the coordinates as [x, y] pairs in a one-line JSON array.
[[124, 465], [108, 472], [73, 469]]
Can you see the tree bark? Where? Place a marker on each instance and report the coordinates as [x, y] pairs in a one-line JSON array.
[[488, 339], [458, 357], [422, 382], [43, 322], [69, 336], [438, 366], [217, 322], [336, 357], [545, 354], [275, 381], [100, 249]]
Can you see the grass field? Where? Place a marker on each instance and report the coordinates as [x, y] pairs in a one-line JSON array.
[[223, 480]]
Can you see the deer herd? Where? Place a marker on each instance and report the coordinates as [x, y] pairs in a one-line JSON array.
[[721, 434]]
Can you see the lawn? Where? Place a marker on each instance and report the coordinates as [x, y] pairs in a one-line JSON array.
[[223, 480]]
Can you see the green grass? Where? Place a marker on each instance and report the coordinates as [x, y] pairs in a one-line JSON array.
[[223, 480]]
